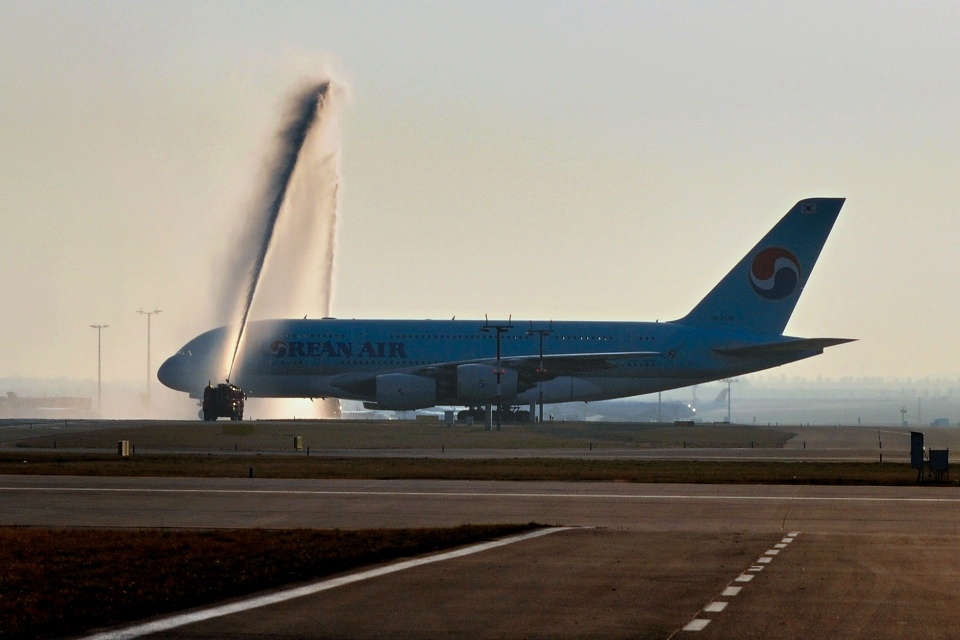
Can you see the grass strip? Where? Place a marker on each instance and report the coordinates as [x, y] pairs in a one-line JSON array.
[[514, 469], [278, 436], [64, 582]]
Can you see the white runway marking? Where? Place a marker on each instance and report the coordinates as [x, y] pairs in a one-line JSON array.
[[697, 624], [483, 494], [173, 622], [780, 546], [717, 606]]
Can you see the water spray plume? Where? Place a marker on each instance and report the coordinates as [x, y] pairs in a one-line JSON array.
[[304, 108]]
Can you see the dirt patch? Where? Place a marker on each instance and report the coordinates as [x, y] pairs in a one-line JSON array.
[[61, 582]]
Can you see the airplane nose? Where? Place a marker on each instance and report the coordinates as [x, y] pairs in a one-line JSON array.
[[170, 374]]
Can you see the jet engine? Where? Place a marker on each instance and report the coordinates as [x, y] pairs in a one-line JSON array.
[[477, 384], [404, 392]]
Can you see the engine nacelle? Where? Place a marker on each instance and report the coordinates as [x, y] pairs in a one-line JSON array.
[[477, 384], [403, 392]]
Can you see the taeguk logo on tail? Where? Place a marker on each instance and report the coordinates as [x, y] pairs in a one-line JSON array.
[[774, 273]]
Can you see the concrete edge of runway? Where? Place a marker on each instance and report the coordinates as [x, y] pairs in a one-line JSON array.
[[254, 602]]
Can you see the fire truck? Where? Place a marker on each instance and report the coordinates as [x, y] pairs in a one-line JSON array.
[[223, 401]]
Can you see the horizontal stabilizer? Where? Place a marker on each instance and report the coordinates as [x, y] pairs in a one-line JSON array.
[[783, 348]]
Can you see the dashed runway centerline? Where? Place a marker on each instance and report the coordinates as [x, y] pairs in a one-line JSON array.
[[717, 606]]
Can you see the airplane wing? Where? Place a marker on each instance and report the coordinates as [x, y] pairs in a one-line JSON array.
[[527, 368], [782, 348], [567, 364]]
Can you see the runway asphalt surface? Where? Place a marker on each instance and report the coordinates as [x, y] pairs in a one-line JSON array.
[[635, 561], [641, 561]]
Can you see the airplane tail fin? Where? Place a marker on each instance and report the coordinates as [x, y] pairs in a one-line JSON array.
[[720, 402], [760, 293], [721, 398]]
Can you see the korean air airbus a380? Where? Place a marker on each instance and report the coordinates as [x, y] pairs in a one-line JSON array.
[[410, 364]]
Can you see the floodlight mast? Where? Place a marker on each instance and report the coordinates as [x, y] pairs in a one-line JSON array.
[[729, 381], [541, 369], [500, 329], [99, 328], [148, 314]]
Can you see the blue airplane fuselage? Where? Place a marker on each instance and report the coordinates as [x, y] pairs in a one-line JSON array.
[[408, 364]]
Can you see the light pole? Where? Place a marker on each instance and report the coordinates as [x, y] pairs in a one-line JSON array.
[[500, 329], [728, 381], [148, 314], [99, 328], [541, 370]]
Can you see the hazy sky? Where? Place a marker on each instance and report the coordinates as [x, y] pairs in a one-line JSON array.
[[568, 160]]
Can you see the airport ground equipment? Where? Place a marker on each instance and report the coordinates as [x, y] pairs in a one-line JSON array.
[[223, 401], [510, 414], [936, 461], [916, 453], [939, 465]]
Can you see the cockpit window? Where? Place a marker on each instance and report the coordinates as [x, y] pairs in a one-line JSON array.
[[184, 352]]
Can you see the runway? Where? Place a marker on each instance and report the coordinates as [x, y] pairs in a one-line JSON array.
[[644, 561], [230, 502]]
